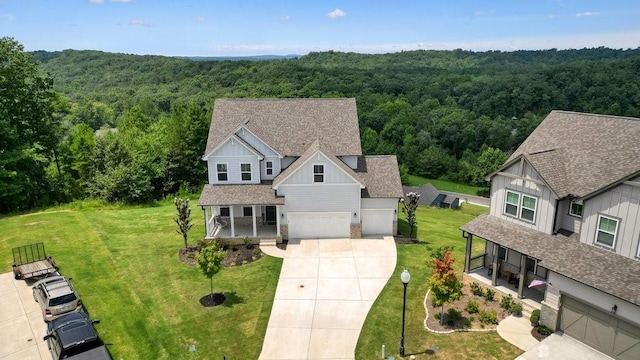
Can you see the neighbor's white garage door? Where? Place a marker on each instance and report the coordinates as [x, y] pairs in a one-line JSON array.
[[319, 225], [377, 222]]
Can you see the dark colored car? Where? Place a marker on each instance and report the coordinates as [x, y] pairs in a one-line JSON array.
[[72, 336]]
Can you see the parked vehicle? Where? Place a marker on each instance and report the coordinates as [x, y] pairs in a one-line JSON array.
[[32, 261], [72, 336], [56, 297]]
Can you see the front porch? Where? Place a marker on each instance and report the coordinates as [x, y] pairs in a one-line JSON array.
[[532, 297], [242, 231]]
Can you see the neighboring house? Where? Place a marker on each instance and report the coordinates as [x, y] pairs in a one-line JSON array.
[[293, 168], [430, 196], [565, 209]]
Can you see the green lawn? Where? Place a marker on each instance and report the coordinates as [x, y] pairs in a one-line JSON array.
[[124, 263], [436, 227], [443, 185]]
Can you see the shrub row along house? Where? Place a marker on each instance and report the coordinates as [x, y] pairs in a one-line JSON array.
[[293, 168], [565, 210]]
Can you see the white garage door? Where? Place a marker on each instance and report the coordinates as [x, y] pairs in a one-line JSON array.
[[319, 225], [377, 222]]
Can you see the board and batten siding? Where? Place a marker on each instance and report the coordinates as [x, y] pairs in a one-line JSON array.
[[545, 204], [381, 203], [276, 168], [321, 198], [566, 221], [594, 297], [623, 203], [332, 173], [256, 142]]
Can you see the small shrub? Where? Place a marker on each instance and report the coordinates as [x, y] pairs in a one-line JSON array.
[[256, 252], [516, 309], [472, 307], [247, 242], [454, 314], [543, 330], [476, 289], [467, 323], [506, 302], [244, 262], [535, 317], [437, 316], [234, 247], [472, 318], [450, 322], [489, 294], [488, 317]]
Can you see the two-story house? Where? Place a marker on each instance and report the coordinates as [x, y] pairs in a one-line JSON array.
[[293, 168], [565, 210]]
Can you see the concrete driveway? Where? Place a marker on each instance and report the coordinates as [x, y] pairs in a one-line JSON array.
[[325, 290], [21, 324], [560, 346]]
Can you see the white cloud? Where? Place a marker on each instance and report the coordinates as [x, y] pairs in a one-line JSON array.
[[587, 13], [200, 18], [139, 23], [336, 14], [285, 18], [95, 1]]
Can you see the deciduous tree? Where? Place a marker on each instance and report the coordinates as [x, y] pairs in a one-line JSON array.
[[444, 284], [409, 207], [210, 261], [184, 218]]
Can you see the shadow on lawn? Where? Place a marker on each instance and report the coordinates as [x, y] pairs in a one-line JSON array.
[[232, 299]]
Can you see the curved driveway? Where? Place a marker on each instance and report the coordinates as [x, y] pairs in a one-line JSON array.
[[324, 293]]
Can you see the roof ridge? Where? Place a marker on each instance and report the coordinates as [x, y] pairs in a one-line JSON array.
[[282, 99], [596, 115]]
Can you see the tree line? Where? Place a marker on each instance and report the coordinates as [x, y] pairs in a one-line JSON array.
[[445, 114]]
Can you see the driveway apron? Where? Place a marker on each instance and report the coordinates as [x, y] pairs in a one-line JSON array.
[[325, 290]]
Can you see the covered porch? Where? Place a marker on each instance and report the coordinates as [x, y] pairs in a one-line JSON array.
[[239, 211]]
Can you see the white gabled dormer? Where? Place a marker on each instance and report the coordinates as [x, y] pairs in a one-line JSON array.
[[234, 161], [272, 162]]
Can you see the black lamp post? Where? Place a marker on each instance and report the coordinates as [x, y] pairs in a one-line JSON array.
[[405, 276]]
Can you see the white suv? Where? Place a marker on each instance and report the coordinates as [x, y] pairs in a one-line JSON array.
[[56, 297]]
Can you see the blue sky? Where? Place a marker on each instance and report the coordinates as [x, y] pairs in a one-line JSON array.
[[254, 27]]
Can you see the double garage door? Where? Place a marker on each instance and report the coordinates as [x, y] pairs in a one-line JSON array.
[[316, 225], [600, 330]]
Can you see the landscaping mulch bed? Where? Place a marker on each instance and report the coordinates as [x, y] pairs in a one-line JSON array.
[[212, 300], [467, 321], [537, 335], [405, 240], [236, 255]]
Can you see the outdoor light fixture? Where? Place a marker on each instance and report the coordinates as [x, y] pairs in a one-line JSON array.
[[404, 277], [614, 309], [354, 214]]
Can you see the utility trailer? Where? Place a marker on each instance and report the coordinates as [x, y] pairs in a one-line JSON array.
[[32, 261]]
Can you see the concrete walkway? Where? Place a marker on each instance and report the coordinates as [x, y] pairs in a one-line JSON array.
[[325, 290], [517, 331], [21, 324]]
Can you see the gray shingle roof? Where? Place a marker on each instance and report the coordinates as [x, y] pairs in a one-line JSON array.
[[566, 255], [380, 176], [580, 154], [244, 194], [289, 125]]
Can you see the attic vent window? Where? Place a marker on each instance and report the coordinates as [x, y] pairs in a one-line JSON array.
[[318, 173]]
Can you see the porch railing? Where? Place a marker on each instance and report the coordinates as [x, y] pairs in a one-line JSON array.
[[477, 262]]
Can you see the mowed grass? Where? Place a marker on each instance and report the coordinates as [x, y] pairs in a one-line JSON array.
[[125, 266], [436, 227], [443, 185]]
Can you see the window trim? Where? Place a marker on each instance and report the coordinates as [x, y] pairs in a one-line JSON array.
[[615, 234], [323, 173], [268, 167], [571, 213], [517, 205], [522, 208], [226, 172], [243, 172]]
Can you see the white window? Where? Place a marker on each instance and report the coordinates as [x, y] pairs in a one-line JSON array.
[[575, 209], [245, 172], [511, 203], [222, 172], [318, 173], [269, 167], [606, 232], [528, 211]]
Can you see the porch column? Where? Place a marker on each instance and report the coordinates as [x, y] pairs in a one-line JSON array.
[[253, 215], [494, 273], [206, 220], [277, 220], [523, 273], [233, 223], [467, 255]]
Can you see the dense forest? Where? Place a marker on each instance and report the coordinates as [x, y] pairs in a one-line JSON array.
[[445, 114]]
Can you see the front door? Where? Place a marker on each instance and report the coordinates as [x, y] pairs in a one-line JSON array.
[[270, 215]]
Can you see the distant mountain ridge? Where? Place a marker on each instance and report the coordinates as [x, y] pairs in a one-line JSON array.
[[240, 58]]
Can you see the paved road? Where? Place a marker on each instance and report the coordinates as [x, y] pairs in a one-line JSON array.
[[471, 199], [21, 324], [325, 291]]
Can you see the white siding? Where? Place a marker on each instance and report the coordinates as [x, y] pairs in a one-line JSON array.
[[622, 202], [381, 203], [566, 221], [256, 142], [594, 297], [276, 168], [332, 173], [351, 161], [286, 161], [545, 205], [321, 198], [233, 169]]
